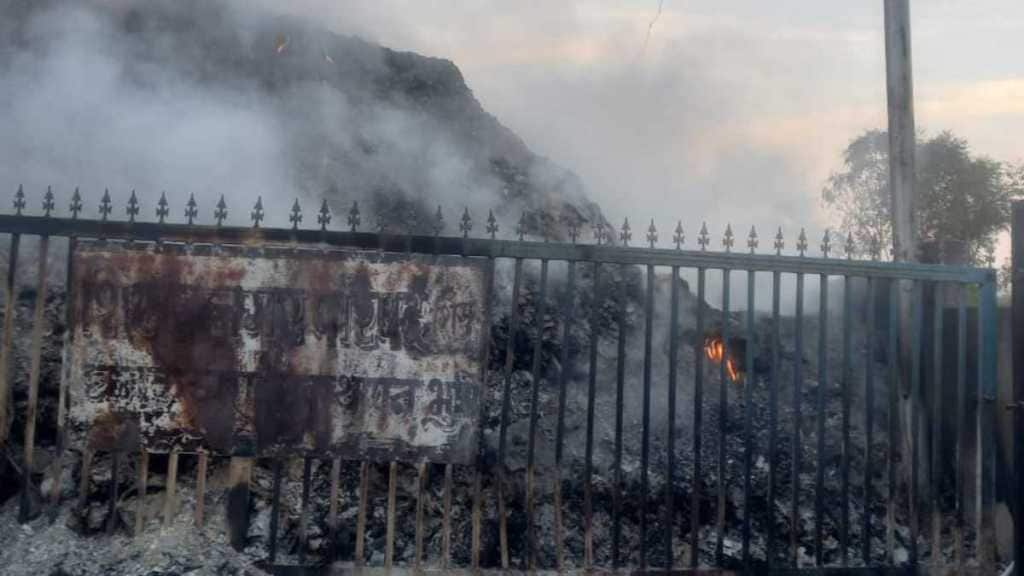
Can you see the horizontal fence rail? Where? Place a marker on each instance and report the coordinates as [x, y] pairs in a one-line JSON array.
[[490, 248], [768, 443]]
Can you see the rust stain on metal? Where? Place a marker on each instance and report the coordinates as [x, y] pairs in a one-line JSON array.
[[351, 353]]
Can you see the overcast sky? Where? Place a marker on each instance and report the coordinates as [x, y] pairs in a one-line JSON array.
[[731, 111]]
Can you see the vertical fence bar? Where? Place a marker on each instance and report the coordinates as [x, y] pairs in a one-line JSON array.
[[563, 381], [645, 441], [201, 487], [773, 423], [670, 461], [961, 419], [796, 449], [364, 488], [6, 374], [275, 509], [477, 515], [237, 502], [389, 535], [915, 417], [869, 421], [936, 393], [85, 477], [538, 349], [479, 463], [505, 407], [892, 359], [115, 478], [620, 382], [38, 321], [421, 496], [723, 416], [588, 487], [698, 413], [141, 487], [819, 479], [307, 473], [62, 394], [446, 520], [332, 510], [170, 497], [844, 529], [988, 331], [749, 381]]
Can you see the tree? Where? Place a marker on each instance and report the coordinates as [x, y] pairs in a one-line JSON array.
[[958, 197]]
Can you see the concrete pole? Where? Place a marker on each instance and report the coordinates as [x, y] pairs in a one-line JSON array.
[[900, 95], [900, 98]]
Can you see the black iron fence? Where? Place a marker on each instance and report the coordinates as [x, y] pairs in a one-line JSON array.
[[722, 480]]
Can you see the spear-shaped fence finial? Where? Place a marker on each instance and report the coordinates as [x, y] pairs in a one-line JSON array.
[[133, 207], [652, 234], [438, 225], [19, 201], [574, 227], [728, 240], [354, 219], [257, 212], [48, 204], [703, 238], [492, 224], [161, 208], [801, 242], [220, 213], [191, 209], [466, 224], [679, 237], [826, 244], [850, 247], [105, 205], [521, 227], [599, 231], [296, 215], [324, 217], [780, 242], [625, 235], [752, 240], [76, 204]]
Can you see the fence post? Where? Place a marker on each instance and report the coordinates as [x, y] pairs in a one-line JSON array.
[[1017, 284]]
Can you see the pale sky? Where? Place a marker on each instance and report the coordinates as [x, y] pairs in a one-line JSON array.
[[735, 111]]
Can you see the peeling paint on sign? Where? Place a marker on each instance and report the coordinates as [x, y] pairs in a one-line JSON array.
[[267, 351]]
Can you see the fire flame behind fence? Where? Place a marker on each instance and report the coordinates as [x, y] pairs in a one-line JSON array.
[[715, 350]]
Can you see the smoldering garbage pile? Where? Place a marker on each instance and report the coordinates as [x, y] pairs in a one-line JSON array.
[[73, 538], [346, 120]]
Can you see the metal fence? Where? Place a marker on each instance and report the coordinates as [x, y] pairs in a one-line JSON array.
[[690, 512]]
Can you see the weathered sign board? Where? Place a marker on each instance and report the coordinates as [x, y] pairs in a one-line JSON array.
[[268, 351]]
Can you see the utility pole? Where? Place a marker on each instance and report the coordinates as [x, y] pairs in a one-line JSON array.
[[900, 95]]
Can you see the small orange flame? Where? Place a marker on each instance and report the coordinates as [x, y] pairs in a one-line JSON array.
[[714, 349]]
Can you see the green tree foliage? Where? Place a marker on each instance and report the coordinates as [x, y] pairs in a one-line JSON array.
[[958, 197]]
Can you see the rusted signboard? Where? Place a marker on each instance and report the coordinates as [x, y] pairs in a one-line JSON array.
[[234, 350]]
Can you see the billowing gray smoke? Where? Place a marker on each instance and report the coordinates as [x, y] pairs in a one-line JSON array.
[[217, 98]]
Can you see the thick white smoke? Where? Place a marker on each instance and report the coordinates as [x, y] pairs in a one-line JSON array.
[[218, 98]]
